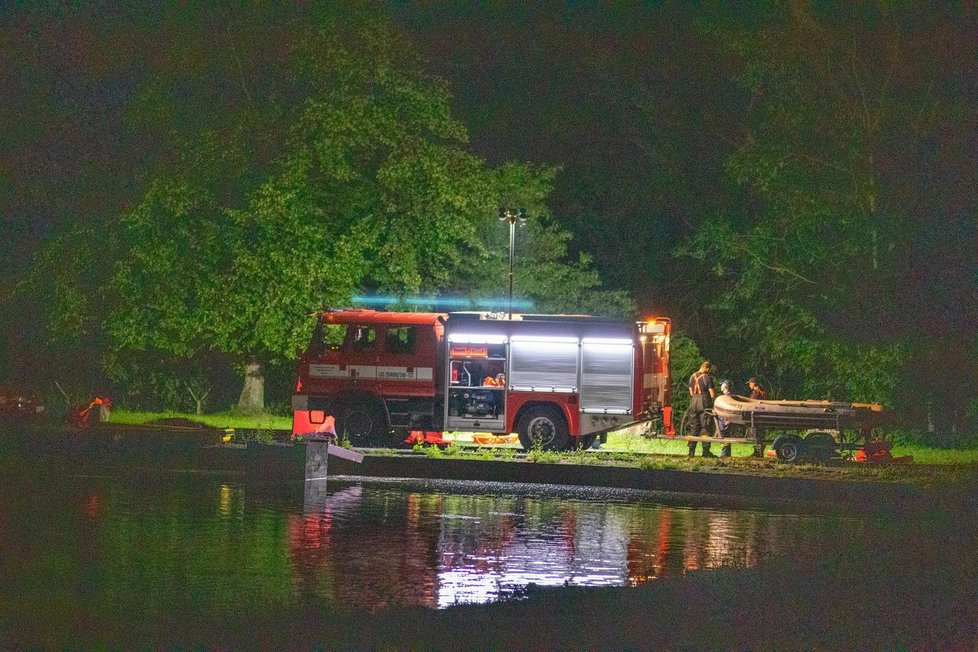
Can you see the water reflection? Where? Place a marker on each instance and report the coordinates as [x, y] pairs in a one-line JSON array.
[[114, 550], [380, 546]]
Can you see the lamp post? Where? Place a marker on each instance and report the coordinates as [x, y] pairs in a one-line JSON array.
[[512, 216]]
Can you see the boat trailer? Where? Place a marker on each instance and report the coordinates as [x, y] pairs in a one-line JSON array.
[[815, 431]]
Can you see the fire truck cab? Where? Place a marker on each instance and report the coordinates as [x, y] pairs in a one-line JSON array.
[[556, 380]]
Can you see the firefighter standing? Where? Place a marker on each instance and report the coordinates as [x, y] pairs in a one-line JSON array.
[[701, 394]]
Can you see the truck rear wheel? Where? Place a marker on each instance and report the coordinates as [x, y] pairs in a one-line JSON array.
[[362, 422], [543, 426]]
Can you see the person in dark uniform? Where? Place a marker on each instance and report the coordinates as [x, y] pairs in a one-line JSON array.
[[701, 394], [757, 393]]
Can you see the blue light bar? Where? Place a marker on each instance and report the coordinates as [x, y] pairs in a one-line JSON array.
[[444, 302]]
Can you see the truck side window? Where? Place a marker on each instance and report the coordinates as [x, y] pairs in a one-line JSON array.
[[361, 337], [326, 336], [334, 335], [400, 339]]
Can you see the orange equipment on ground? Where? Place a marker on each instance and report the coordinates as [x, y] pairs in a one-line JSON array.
[[313, 423], [878, 452], [427, 437], [81, 416]]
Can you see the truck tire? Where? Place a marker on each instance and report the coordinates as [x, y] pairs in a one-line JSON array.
[[362, 422], [543, 426]]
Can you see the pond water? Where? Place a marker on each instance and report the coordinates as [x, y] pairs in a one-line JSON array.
[[102, 549]]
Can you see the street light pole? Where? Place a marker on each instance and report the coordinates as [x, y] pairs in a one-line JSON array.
[[512, 217]]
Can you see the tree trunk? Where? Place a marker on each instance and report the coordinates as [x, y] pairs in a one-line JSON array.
[[199, 399], [253, 393]]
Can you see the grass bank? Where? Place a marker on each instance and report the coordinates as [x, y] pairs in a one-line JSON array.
[[931, 467], [921, 454], [216, 420]]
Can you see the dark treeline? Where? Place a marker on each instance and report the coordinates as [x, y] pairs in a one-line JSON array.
[[795, 186]]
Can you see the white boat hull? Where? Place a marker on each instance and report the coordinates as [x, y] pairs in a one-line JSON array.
[[797, 414]]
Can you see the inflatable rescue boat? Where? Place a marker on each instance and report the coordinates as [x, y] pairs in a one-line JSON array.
[[797, 414]]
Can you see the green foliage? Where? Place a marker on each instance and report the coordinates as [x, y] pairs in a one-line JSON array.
[[506, 454], [452, 449], [349, 175], [684, 359], [544, 272], [438, 452], [810, 287], [216, 420], [261, 436], [258, 163], [538, 455], [154, 380]]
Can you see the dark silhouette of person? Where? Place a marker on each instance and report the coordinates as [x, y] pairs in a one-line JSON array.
[[701, 395]]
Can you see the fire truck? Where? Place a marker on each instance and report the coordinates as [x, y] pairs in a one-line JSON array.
[[556, 380]]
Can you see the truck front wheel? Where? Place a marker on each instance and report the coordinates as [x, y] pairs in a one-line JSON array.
[[362, 422], [543, 426]]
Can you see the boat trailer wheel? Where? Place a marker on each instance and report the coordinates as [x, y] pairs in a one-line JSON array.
[[819, 446], [789, 448]]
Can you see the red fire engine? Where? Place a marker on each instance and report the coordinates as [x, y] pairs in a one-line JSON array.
[[556, 380]]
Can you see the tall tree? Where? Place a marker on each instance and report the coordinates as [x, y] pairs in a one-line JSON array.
[[828, 282], [632, 100], [350, 174]]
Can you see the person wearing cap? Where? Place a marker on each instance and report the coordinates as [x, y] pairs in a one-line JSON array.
[[757, 393], [701, 395], [755, 389], [723, 424]]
